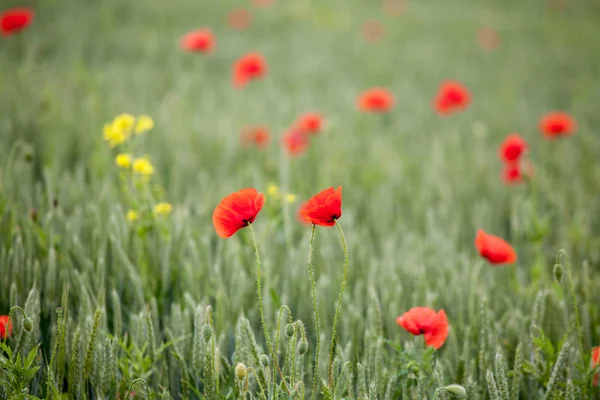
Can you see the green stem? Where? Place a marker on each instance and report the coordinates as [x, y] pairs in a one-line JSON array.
[[316, 310], [564, 254], [339, 304], [261, 308], [21, 334]]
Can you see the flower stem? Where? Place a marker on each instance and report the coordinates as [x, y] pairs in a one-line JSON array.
[[261, 309], [339, 304], [316, 310]]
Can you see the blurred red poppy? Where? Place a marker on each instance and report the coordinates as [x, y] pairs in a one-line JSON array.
[[393, 7], [452, 96], [237, 211], [494, 249], [512, 148], [376, 100], [556, 124], [249, 67], [200, 40], [514, 172], [425, 321], [595, 361], [258, 136], [239, 19], [14, 20], [5, 327], [295, 141], [488, 38], [324, 208], [372, 30], [311, 123]]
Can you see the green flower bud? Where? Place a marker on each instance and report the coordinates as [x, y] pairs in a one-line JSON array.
[[28, 324], [240, 371], [264, 360], [29, 156], [207, 332], [302, 347], [456, 390], [289, 330], [558, 273]]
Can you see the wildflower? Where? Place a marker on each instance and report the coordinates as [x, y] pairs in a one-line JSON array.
[[556, 124], [123, 123], [248, 67], [259, 136], [494, 249], [113, 137], [239, 19], [201, 40], [290, 198], [144, 124], [514, 172], [425, 321], [512, 148], [488, 38], [5, 327], [595, 361], [452, 96], [324, 208], [163, 208], [123, 160], [240, 371], [372, 30], [236, 211], [273, 190], [14, 20], [311, 123], [132, 216], [295, 142], [143, 166], [376, 100]]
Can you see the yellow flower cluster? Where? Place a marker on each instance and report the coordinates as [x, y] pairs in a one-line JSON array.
[[274, 192], [122, 126]]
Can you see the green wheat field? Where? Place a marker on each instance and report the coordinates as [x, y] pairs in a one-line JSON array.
[[110, 304]]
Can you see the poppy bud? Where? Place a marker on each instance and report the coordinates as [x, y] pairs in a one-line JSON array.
[[55, 202], [456, 390], [207, 332], [302, 347], [289, 330], [33, 214], [28, 324], [264, 360], [558, 273], [29, 156], [240, 371]]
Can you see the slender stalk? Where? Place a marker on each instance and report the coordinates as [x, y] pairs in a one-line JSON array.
[[565, 256], [316, 310], [10, 321], [339, 304], [261, 308]]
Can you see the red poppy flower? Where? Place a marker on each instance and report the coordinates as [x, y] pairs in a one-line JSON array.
[[258, 135], [494, 249], [324, 208], [263, 3], [425, 321], [5, 327], [376, 100], [14, 20], [556, 124], [595, 361], [488, 38], [452, 96], [311, 123], [239, 19], [393, 7], [372, 31], [236, 211], [295, 142], [201, 40], [514, 172], [250, 66], [512, 148]]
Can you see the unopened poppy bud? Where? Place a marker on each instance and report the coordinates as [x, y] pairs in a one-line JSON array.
[[264, 360], [456, 390], [207, 332], [29, 156], [33, 214], [240, 371], [289, 330], [558, 273], [302, 347], [28, 324]]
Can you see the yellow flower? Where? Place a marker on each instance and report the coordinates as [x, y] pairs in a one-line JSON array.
[[273, 190], [142, 166], [163, 208], [124, 123], [290, 198], [144, 124], [132, 216], [123, 160], [113, 136]]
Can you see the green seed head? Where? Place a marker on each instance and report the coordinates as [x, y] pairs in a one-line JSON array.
[[207, 332], [240, 371], [264, 360], [28, 324]]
